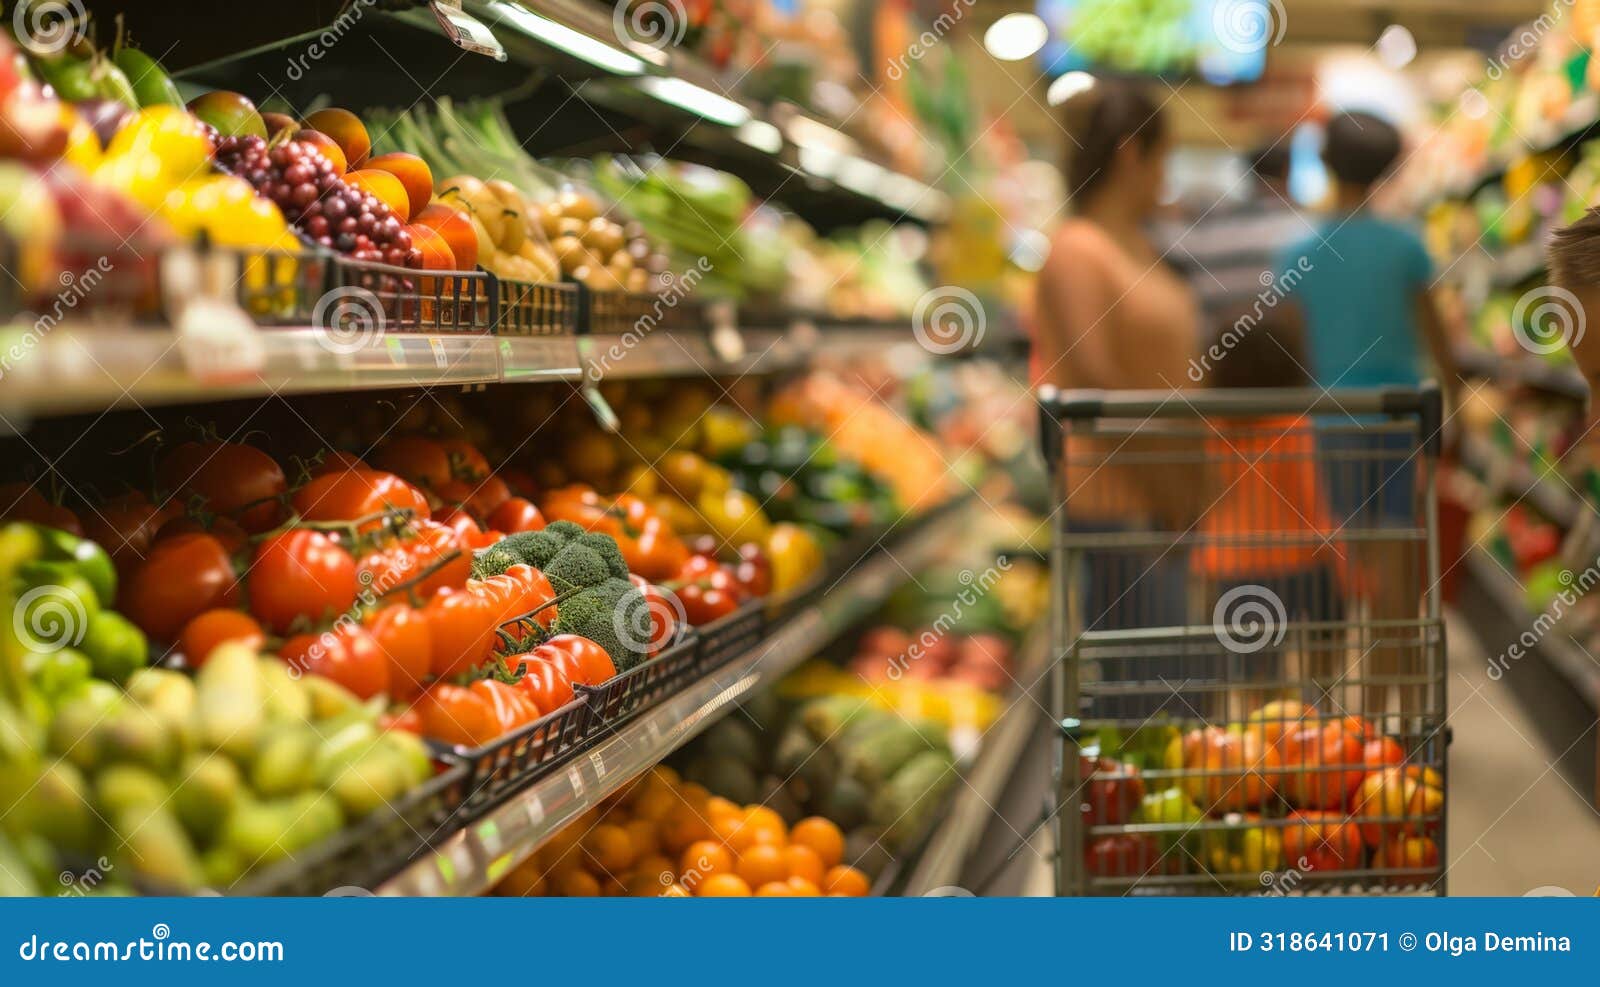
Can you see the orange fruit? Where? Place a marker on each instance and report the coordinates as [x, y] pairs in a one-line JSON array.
[[657, 867], [775, 889], [608, 849], [682, 827], [642, 834], [385, 186], [717, 806], [731, 830], [612, 888], [695, 795], [767, 836], [526, 880], [578, 884], [763, 864], [822, 836], [654, 804], [804, 888], [704, 858], [762, 817], [640, 885], [723, 886], [802, 861], [674, 890], [663, 775], [847, 881]]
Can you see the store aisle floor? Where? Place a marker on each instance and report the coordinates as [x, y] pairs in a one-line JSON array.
[[1519, 818]]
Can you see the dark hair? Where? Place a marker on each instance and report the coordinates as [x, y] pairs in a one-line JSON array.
[[1100, 119], [1270, 162], [1261, 351], [1574, 252], [1360, 147]]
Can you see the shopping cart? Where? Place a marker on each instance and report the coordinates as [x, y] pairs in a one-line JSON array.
[[1250, 680]]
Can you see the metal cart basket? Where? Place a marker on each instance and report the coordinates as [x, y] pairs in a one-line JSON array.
[[1250, 673]]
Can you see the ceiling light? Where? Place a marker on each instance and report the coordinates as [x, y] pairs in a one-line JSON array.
[[1396, 47], [1016, 36], [1068, 85], [579, 46], [696, 99]]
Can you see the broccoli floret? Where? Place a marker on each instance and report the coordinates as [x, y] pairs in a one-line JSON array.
[[576, 566], [494, 560], [602, 613], [606, 547]]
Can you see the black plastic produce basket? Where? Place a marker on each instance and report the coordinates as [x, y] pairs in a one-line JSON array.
[[506, 766], [615, 701], [362, 294], [370, 850], [612, 313], [535, 309], [728, 637]]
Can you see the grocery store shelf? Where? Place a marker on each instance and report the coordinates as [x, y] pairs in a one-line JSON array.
[[1525, 370], [83, 369], [972, 805], [1515, 479], [1558, 649], [473, 859], [1581, 121]]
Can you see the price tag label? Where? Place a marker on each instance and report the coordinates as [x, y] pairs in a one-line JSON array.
[[441, 358], [599, 764], [575, 779], [534, 807], [466, 31], [222, 355]]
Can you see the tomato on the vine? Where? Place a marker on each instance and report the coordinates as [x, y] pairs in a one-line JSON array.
[[516, 514], [658, 553], [510, 706], [548, 686], [225, 530], [350, 659], [402, 635], [753, 571], [583, 661], [487, 495], [234, 479], [125, 526], [458, 521], [407, 719], [181, 577], [536, 592], [348, 495], [461, 631], [457, 715], [418, 459], [663, 613], [202, 634], [466, 462], [300, 573]]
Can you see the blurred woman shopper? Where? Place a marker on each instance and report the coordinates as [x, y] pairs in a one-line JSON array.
[[1112, 315]]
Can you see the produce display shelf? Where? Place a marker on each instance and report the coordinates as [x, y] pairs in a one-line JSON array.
[[971, 805], [476, 857], [1560, 651], [1515, 479], [1579, 122], [82, 368], [1525, 371]]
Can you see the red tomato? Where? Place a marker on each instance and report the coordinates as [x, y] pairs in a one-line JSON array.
[[124, 526], [461, 630], [665, 612], [510, 707], [408, 720], [516, 514], [202, 634], [402, 635], [487, 495], [466, 462], [181, 577], [703, 604], [1381, 753], [1312, 759], [417, 459], [352, 660], [753, 571], [536, 592], [224, 530], [457, 715], [519, 480], [1121, 856], [43, 512], [301, 574], [350, 494], [236, 480], [1319, 842], [458, 521], [593, 664], [548, 686]]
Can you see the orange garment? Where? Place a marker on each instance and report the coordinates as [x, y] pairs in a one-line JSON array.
[[1266, 487]]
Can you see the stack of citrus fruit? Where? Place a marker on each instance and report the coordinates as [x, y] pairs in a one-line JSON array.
[[664, 837]]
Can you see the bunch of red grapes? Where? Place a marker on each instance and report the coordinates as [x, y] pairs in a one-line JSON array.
[[313, 197]]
